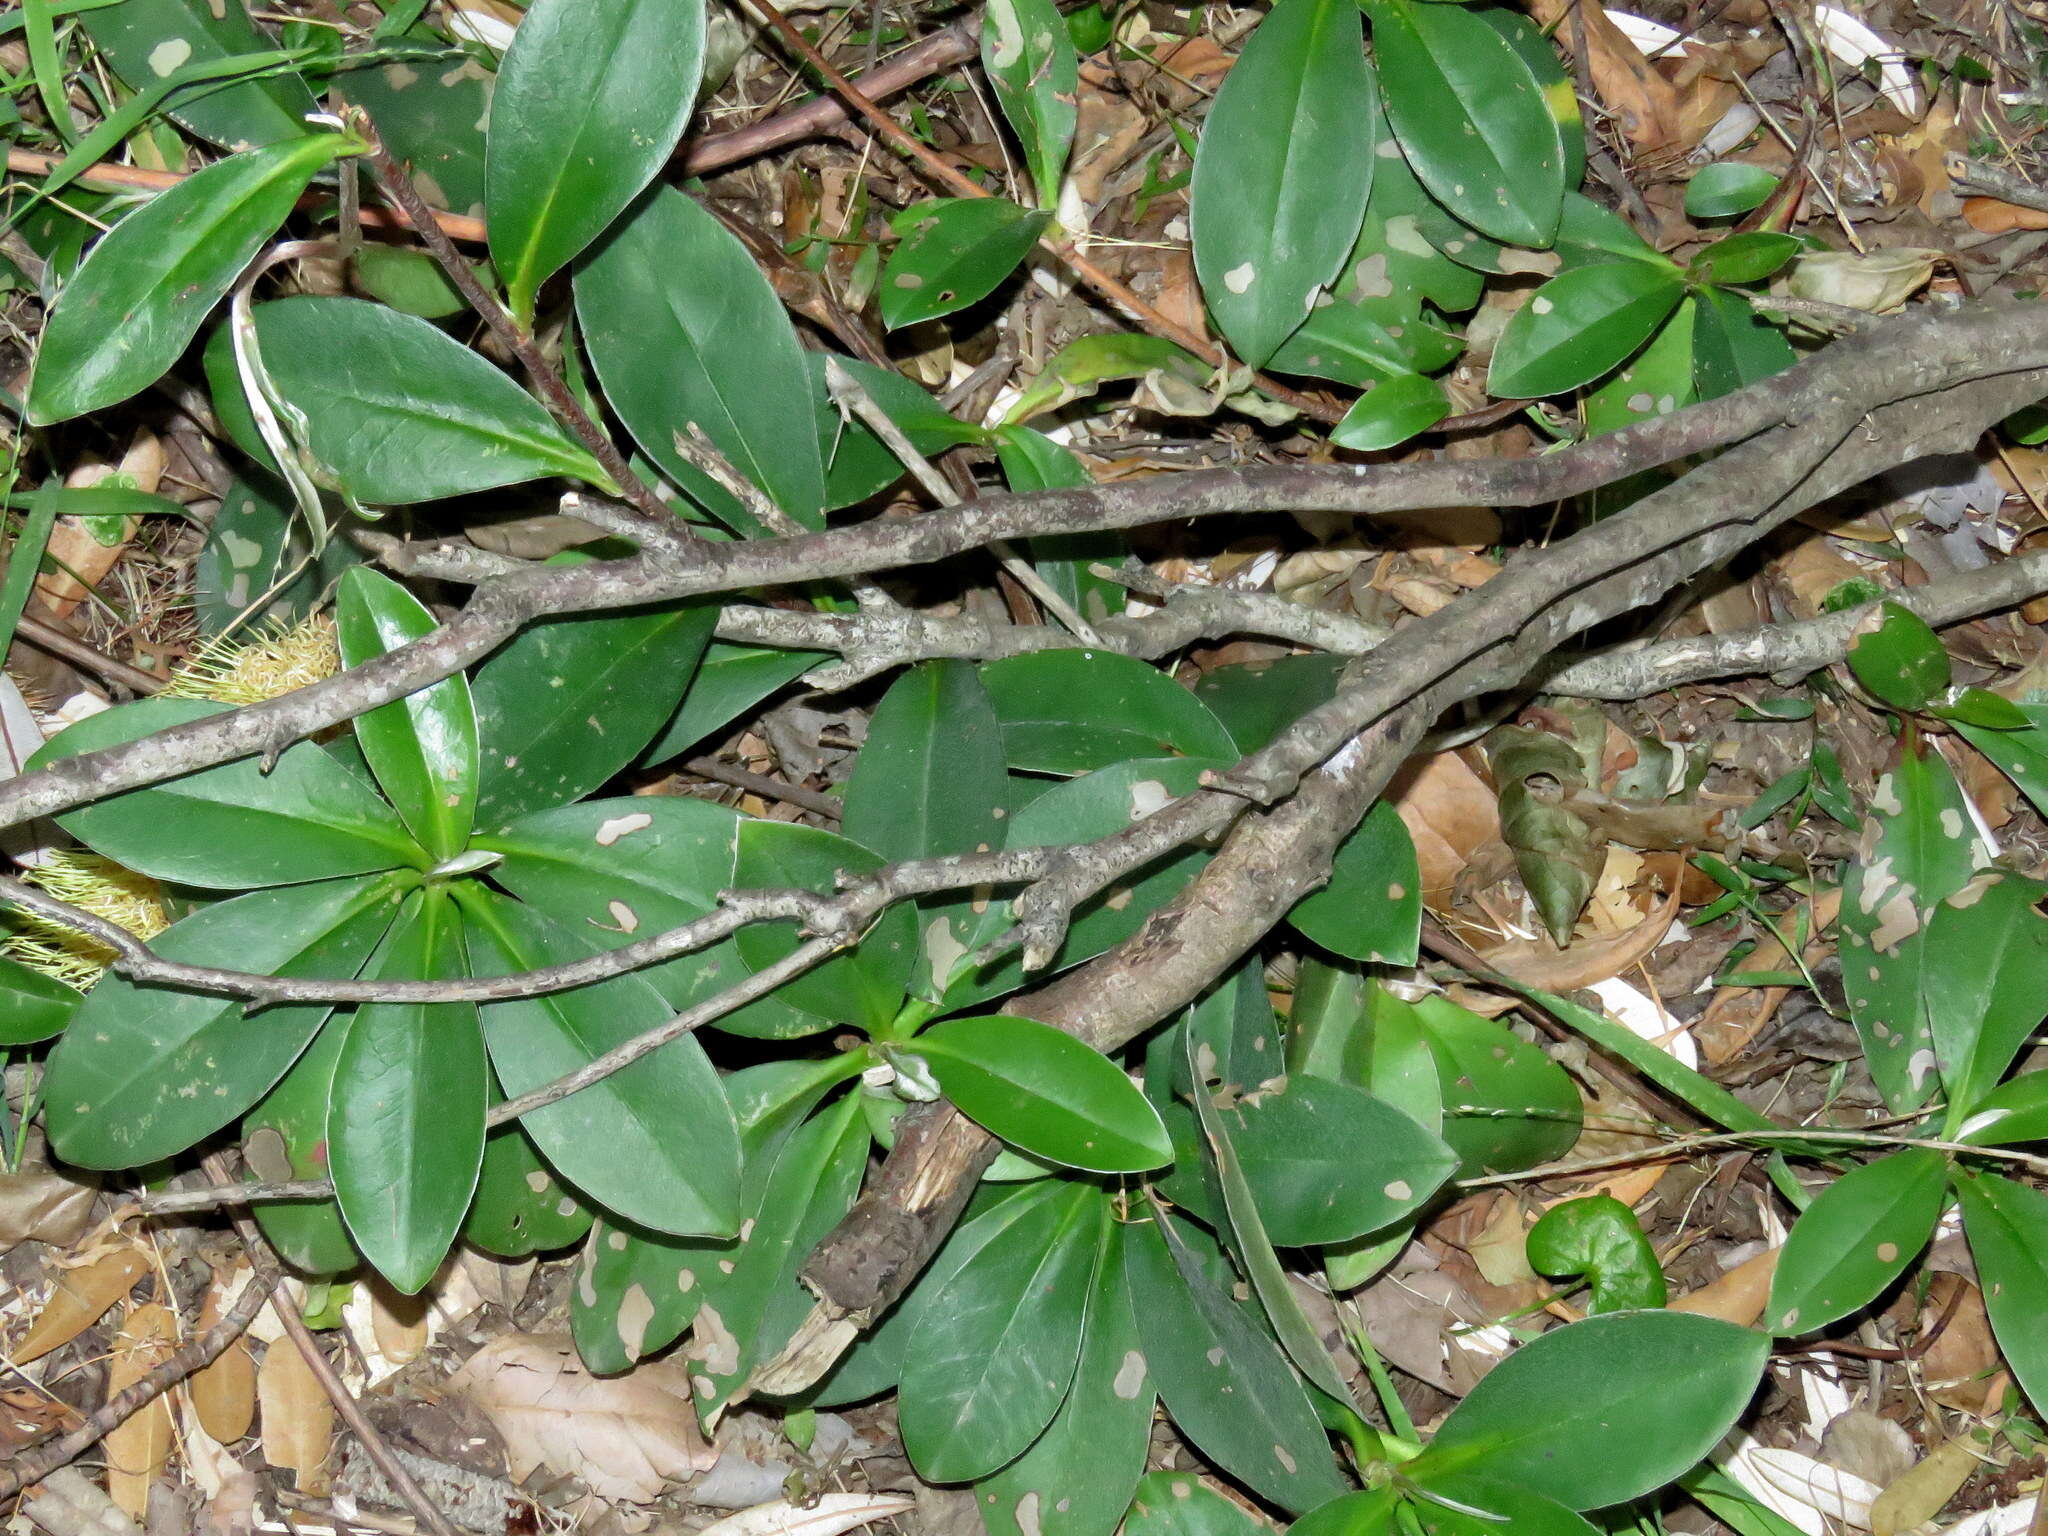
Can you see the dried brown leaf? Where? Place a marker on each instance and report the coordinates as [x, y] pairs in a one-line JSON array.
[[1450, 813], [1924, 1491], [1735, 1296], [80, 1299], [224, 1393], [1538, 963], [625, 1437], [298, 1418], [138, 1447]]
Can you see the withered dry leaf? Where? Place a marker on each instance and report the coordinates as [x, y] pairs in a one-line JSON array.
[[298, 1418], [80, 1299], [826, 1515], [624, 1437], [1924, 1491], [1736, 1295], [224, 1393], [1538, 963], [40, 1204], [28, 1415], [138, 1448], [1963, 1353], [82, 551], [1648, 107], [1991, 216], [1450, 813]]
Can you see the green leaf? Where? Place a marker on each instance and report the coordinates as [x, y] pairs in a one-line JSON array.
[[616, 871], [1085, 364], [590, 101], [146, 39], [285, 1137], [235, 826], [929, 782], [1984, 974], [1506, 1105], [1328, 1162], [1030, 61], [654, 1142], [1589, 234], [1505, 1505], [995, 1350], [857, 462], [432, 120], [2021, 756], [254, 547], [1599, 1238], [1532, 44], [1032, 461], [1041, 1089], [1733, 346], [1579, 325], [729, 681], [1078, 1477], [1748, 258], [952, 253], [153, 1071], [1899, 658], [1180, 1504], [407, 280], [1367, 341], [1070, 712], [138, 300], [421, 747], [574, 699], [1472, 119], [1984, 709], [1391, 412], [865, 987], [1224, 1380], [397, 411], [1257, 700], [1657, 381], [1601, 1411], [2007, 1225], [1726, 189], [1856, 1238], [682, 327], [1282, 172], [1368, 1513], [2012, 1112], [405, 1130], [1371, 909], [33, 1006], [521, 1208]]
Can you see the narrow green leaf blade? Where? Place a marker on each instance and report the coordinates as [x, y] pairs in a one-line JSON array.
[[1035, 71], [138, 300], [2007, 1225]]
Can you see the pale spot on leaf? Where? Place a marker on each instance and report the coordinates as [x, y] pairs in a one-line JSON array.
[[1239, 279], [613, 828]]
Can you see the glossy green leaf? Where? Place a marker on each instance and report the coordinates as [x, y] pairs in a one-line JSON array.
[[654, 1142], [135, 305], [1534, 46], [285, 1137], [590, 101], [953, 251], [1505, 1104], [1748, 258], [995, 1351], [154, 1070], [682, 328], [1733, 346], [1579, 325], [1041, 1089], [33, 1006], [1082, 810], [1856, 1238], [1355, 343], [405, 1130], [2007, 1225], [1589, 233], [1604, 1410], [1984, 973], [2012, 1112], [237, 825], [1984, 709], [1282, 172], [397, 411], [1070, 712], [1032, 461], [1391, 412], [432, 119], [1926, 850], [407, 280], [146, 39], [1327, 1161], [857, 463], [521, 1208], [1598, 1238], [730, 680], [929, 782], [538, 697], [1371, 908], [1501, 1505], [1657, 381], [1181, 1504], [865, 987], [1472, 119], [1078, 1477], [1899, 658], [1370, 1512], [2021, 756], [1086, 363], [1726, 189], [1032, 67], [421, 747], [1224, 1379], [256, 546], [617, 871], [1257, 700]]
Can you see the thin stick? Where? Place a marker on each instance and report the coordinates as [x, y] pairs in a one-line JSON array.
[[909, 148], [663, 531]]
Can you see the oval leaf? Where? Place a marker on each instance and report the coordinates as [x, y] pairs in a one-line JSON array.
[[1071, 712], [1899, 658], [590, 101], [1726, 189], [1044, 1091], [953, 252], [1579, 325], [1856, 1239], [1282, 172], [1371, 909], [1391, 412], [138, 300], [33, 1006], [865, 987]]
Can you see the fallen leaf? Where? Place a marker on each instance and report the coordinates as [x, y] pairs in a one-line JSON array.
[[138, 1447], [1735, 1296], [827, 1515], [1925, 1490], [224, 1393], [1991, 216], [80, 1299], [1450, 813], [1585, 962], [1647, 106], [625, 1437], [1877, 282], [298, 1417], [1963, 1354]]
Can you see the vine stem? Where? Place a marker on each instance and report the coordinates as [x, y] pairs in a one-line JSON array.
[[663, 531], [1686, 1144]]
